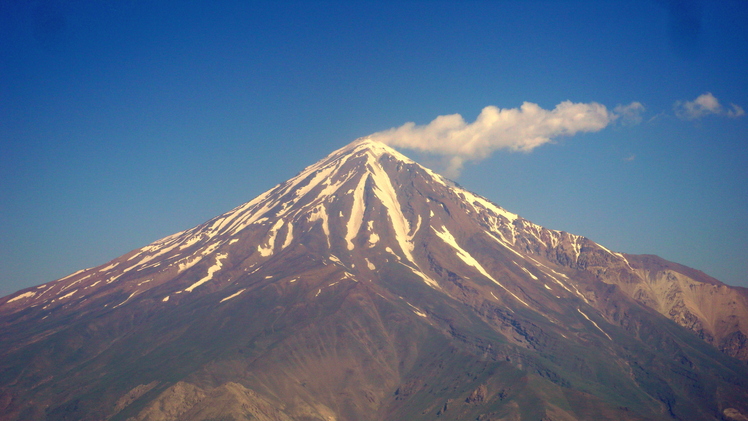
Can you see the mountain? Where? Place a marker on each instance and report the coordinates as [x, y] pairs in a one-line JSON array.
[[368, 287]]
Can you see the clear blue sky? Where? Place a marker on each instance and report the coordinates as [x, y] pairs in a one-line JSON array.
[[125, 121]]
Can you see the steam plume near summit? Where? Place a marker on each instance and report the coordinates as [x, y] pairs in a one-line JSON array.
[[515, 129]]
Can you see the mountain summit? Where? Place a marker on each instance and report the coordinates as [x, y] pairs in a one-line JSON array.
[[368, 287]]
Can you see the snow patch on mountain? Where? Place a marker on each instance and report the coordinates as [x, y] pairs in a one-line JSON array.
[[416, 310], [106, 268], [68, 277], [76, 282], [232, 296], [336, 260], [267, 250], [478, 202], [624, 260], [576, 247], [593, 323], [192, 260], [28, 294], [289, 235], [530, 273], [211, 270], [386, 194], [190, 241], [357, 212], [126, 300]]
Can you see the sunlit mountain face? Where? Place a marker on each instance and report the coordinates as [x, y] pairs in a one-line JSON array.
[[368, 287]]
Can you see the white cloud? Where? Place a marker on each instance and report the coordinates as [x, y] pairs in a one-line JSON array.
[[515, 129], [705, 104], [629, 114], [736, 111]]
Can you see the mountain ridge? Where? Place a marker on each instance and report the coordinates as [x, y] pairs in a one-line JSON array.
[[345, 291]]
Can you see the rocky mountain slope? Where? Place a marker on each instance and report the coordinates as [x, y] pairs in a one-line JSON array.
[[369, 288]]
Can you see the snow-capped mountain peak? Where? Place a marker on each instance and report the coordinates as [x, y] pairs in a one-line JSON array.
[[372, 252]]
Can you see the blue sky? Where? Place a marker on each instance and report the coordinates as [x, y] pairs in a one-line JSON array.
[[125, 121]]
